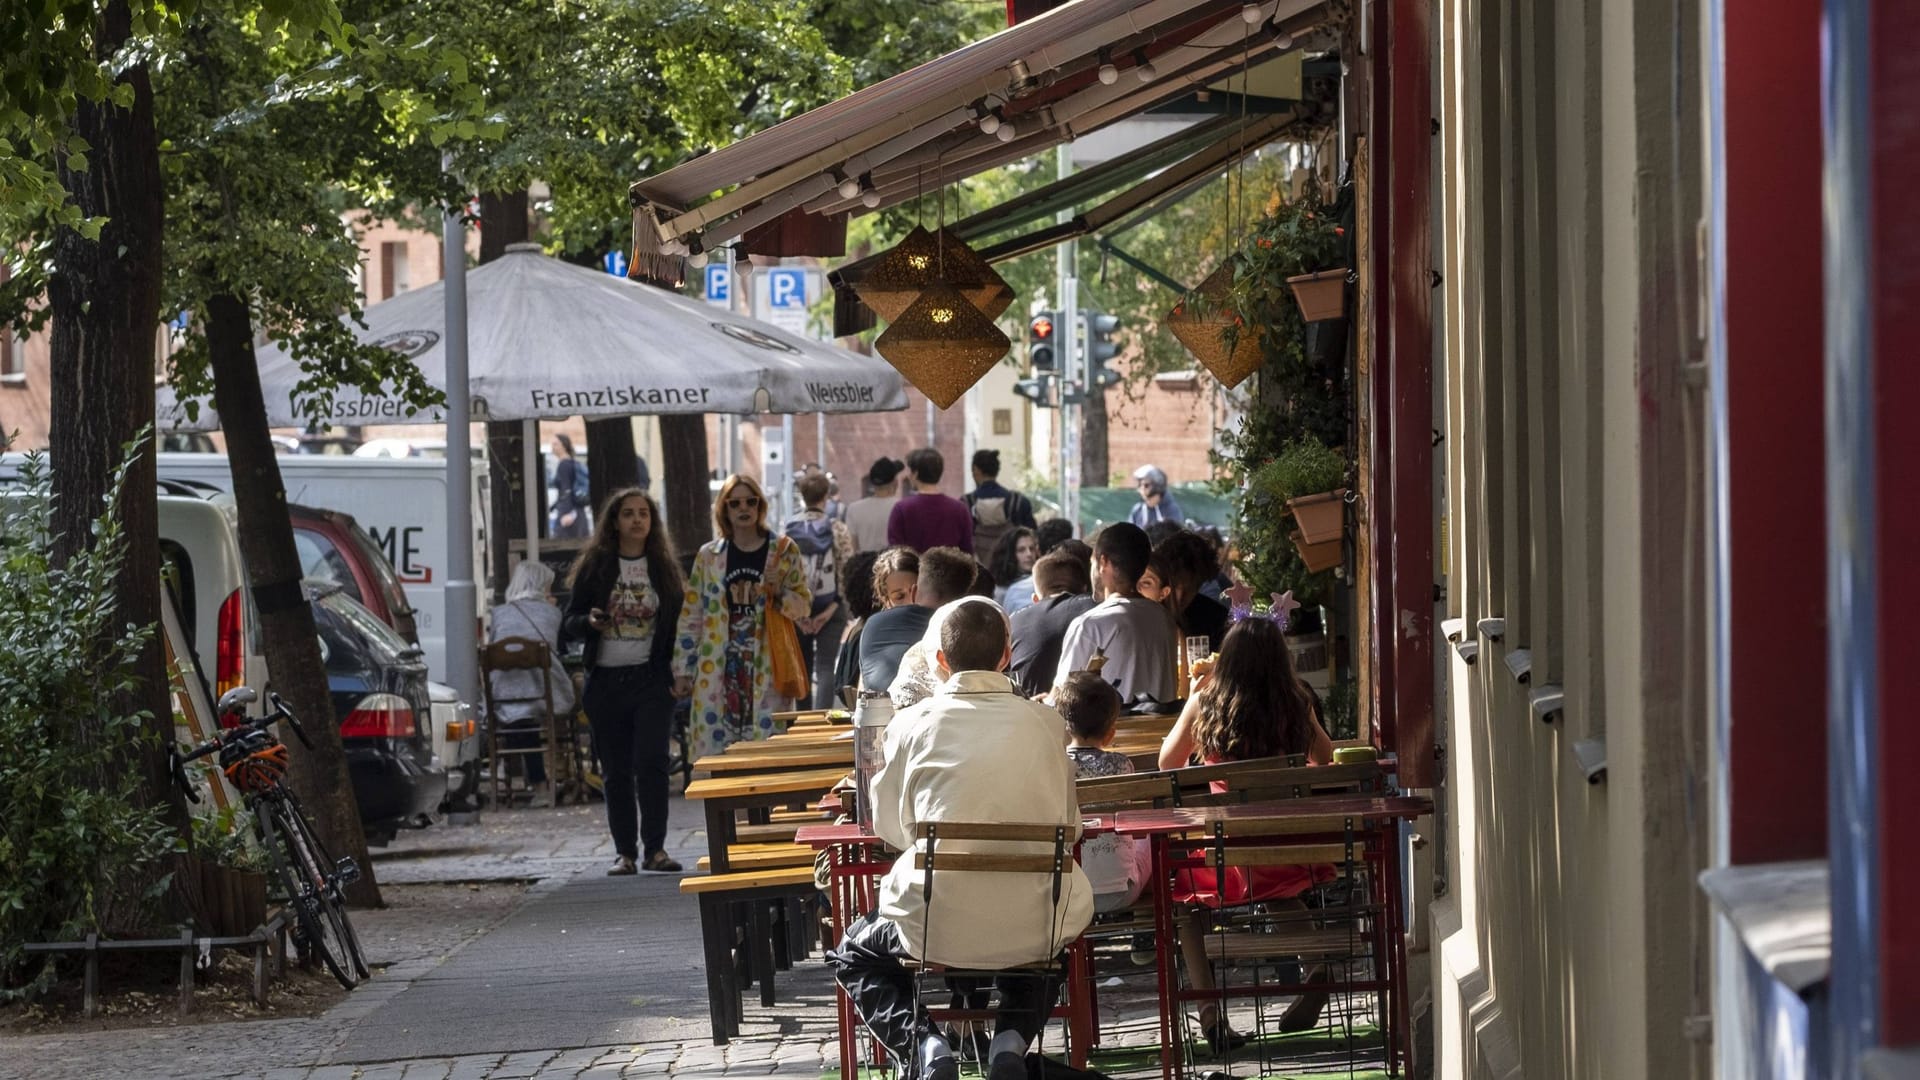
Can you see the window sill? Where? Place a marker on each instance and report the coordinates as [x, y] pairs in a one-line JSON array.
[[1781, 913], [14, 382]]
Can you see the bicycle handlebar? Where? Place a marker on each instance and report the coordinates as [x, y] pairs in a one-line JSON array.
[[264, 723]]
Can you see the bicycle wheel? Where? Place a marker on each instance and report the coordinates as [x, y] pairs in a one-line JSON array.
[[306, 885], [334, 895]]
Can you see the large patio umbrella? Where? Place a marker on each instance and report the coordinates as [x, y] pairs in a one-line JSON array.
[[550, 340]]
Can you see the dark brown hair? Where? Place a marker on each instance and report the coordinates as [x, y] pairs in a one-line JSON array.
[[894, 560], [974, 637], [604, 546], [1256, 707], [813, 488], [1089, 704], [1062, 570]]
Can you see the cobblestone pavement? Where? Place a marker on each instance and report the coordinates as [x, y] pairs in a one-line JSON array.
[[587, 976]]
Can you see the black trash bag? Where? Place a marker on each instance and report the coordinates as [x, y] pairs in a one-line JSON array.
[[1040, 1067]]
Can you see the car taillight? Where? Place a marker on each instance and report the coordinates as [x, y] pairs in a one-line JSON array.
[[230, 658], [379, 716]]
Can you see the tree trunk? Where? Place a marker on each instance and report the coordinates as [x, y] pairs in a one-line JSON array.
[[105, 301], [287, 633], [683, 476], [1094, 470], [503, 221], [613, 464]]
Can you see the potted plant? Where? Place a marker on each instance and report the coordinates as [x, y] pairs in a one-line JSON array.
[[1307, 479], [1296, 256], [1321, 295]]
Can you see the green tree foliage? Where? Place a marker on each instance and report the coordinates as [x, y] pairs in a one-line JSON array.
[[72, 829]]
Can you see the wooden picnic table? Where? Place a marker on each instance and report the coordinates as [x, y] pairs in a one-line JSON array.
[[727, 794], [799, 758]]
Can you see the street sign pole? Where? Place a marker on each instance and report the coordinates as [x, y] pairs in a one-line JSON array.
[[462, 594], [1065, 352]]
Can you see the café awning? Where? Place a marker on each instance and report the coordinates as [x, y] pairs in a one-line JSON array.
[[1007, 97]]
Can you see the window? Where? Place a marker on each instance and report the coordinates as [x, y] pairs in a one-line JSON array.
[[393, 268], [1003, 421], [13, 358], [320, 560]]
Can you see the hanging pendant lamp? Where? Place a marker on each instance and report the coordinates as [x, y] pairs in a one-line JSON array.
[[942, 343], [974, 276], [900, 275], [1202, 321]]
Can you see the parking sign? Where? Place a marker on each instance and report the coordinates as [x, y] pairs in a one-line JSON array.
[[615, 263], [719, 285], [786, 288]]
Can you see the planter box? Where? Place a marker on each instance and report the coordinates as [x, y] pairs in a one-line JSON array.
[[1322, 295], [1321, 517], [1322, 556], [234, 902], [1308, 651]]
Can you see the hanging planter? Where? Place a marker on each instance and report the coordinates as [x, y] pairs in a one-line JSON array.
[[1204, 321], [1321, 517], [1317, 557], [1322, 295]]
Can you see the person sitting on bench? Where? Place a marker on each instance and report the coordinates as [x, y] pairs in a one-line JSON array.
[[977, 751]]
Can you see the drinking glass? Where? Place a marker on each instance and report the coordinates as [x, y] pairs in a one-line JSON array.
[[1199, 647]]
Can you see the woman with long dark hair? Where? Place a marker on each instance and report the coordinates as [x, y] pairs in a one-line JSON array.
[[1011, 565], [1250, 705], [722, 658], [627, 595]]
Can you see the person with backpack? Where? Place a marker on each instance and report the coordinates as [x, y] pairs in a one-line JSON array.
[[995, 509], [571, 497], [825, 547]]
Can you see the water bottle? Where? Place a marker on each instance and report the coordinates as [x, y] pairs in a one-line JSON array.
[[870, 719]]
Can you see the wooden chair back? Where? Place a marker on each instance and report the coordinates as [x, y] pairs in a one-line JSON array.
[[518, 654]]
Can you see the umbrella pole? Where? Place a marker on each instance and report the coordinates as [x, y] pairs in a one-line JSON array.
[[530, 475]]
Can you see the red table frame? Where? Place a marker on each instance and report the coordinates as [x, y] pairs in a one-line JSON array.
[[1374, 819]]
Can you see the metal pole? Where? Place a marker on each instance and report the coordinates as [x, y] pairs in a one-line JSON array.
[[462, 595], [530, 477], [1066, 295]]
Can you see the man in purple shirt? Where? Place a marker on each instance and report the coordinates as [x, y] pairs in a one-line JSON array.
[[927, 519]]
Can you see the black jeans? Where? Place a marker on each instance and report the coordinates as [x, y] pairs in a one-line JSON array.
[[867, 964], [631, 711]]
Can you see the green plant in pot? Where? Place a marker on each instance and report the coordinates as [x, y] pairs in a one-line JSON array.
[[1295, 261], [1307, 479], [1270, 560]]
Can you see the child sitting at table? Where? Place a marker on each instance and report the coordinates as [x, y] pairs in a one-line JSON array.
[[1117, 866]]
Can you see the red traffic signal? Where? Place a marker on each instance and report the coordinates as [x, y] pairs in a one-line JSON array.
[[1041, 328]]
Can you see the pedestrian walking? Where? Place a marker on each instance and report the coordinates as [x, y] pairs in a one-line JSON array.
[[722, 656], [826, 546], [928, 519], [868, 517], [996, 510], [569, 518], [627, 597]]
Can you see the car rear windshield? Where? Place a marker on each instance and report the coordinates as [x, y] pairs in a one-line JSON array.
[[371, 554], [363, 621]]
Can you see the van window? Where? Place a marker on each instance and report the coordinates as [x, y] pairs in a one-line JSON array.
[[321, 560], [176, 570]]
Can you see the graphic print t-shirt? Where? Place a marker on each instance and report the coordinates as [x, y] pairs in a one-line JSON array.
[[633, 608], [745, 571]]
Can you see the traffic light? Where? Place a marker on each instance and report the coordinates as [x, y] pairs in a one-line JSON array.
[[1038, 390], [1101, 347], [1040, 341]]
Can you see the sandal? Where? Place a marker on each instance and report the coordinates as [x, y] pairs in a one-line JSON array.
[[662, 862], [1304, 1013]]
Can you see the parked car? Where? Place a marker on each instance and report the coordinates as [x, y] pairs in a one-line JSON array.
[[457, 743], [334, 547], [379, 687]]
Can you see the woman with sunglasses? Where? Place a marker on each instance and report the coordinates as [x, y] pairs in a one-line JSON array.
[[722, 659]]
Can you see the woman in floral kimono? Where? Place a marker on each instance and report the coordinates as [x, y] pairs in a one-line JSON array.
[[721, 658]]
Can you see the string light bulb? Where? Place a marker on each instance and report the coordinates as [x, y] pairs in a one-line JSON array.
[[850, 188], [870, 199], [990, 123], [1008, 131], [1143, 68], [1108, 73], [1283, 41], [697, 260], [1251, 14]]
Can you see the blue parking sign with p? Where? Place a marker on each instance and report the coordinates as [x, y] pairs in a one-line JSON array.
[[719, 285], [786, 288]]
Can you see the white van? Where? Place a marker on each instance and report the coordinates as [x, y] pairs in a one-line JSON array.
[[200, 555], [402, 503]]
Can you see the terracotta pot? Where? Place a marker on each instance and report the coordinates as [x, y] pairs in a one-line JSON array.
[[1321, 517], [1322, 295], [1322, 556]]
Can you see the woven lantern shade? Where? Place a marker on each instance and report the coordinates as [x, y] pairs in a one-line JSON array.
[[976, 278], [897, 279], [942, 343], [1203, 327]]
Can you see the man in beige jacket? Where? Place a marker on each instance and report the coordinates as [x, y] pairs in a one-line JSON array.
[[977, 751]]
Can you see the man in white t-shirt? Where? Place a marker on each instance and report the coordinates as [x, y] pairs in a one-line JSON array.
[[868, 517], [1134, 634]]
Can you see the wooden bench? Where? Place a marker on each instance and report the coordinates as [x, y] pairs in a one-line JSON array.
[[717, 894], [771, 855]]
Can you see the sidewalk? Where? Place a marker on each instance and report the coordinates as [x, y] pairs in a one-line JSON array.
[[587, 976]]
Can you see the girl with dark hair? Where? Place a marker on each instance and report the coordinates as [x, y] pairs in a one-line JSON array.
[[862, 601], [1250, 705], [1012, 567], [722, 658], [627, 594]]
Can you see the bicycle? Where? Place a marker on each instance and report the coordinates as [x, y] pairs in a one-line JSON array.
[[255, 761]]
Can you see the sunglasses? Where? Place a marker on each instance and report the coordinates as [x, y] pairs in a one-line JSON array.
[[748, 503]]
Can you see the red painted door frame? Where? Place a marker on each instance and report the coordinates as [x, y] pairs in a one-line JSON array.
[[1776, 686], [1404, 616], [1379, 403]]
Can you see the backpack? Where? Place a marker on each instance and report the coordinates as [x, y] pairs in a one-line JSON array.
[[814, 539], [581, 493], [992, 519]]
